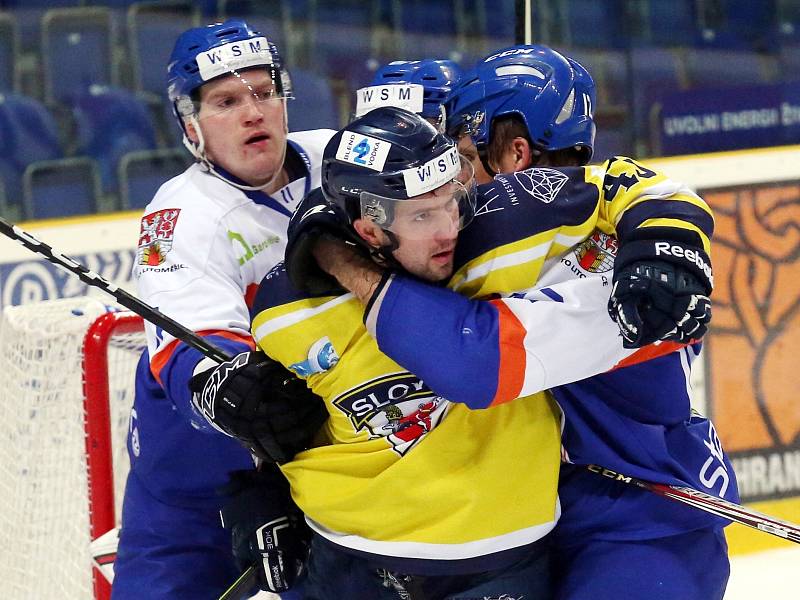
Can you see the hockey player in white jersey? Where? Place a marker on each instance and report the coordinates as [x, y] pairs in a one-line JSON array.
[[207, 239]]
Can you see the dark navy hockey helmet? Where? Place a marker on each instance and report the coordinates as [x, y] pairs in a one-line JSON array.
[[389, 157], [437, 78], [552, 94]]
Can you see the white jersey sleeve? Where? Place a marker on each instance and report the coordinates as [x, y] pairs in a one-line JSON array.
[[488, 352]]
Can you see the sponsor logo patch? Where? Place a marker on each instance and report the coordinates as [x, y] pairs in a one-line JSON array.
[[321, 357], [433, 174], [402, 95], [155, 236], [234, 57], [363, 150], [543, 184]]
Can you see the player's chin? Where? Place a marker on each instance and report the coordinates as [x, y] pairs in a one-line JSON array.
[[441, 270], [265, 164]]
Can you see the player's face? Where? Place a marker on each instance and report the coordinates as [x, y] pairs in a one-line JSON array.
[[427, 230], [244, 126], [468, 150]]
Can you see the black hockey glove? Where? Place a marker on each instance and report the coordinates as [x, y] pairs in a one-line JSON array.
[[261, 403], [313, 218], [267, 529], [661, 287]]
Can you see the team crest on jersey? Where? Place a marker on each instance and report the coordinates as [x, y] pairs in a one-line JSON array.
[[398, 407], [596, 254], [155, 236]]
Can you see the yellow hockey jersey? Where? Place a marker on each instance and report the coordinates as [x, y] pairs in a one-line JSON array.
[[402, 472]]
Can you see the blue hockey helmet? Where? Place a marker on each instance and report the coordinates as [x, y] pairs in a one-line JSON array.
[[390, 157], [204, 53], [436, 78], [552, 94]]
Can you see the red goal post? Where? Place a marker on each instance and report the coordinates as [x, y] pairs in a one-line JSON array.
[[97, 389]]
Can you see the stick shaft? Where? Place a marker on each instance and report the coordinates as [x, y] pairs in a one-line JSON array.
[[242, 587], [710, 504], [127, 300]]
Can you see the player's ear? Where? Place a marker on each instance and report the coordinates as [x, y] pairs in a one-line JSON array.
[[521, 154], [191, 132], [516, 156], [369, 232]]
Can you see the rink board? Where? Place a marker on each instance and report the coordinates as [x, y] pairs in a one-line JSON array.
[[750, 381]]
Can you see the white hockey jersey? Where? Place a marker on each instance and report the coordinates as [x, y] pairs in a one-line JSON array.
[[205, 245]]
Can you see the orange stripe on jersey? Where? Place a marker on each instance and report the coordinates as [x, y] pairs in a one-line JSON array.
[[250, 294], [511, 373], [650, 352], [158, 361]]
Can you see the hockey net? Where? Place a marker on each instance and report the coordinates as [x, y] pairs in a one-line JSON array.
[[68, 370]]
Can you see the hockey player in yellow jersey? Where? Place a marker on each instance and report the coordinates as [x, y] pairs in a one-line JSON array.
[[403, 481], [429, 495]]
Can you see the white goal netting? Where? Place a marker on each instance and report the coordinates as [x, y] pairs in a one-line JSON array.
[[45, 520]]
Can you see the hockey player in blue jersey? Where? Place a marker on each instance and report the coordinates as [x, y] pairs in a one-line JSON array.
[[207, 239], [526, 106]]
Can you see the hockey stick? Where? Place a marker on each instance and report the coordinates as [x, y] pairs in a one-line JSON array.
[[130, 302], [710, 504], [242, 587]]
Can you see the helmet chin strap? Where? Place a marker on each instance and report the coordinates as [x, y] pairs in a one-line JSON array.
[[484, 156], [198, 150], [383, 255]]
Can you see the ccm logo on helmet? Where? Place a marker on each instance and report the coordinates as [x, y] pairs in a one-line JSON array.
[[509, 53], [691, 255]]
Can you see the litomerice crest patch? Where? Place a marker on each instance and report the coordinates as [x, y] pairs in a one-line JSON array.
[[596, 254], [155, 236]]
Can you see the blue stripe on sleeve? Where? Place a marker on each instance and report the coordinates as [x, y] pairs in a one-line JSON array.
[[552, 294]]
